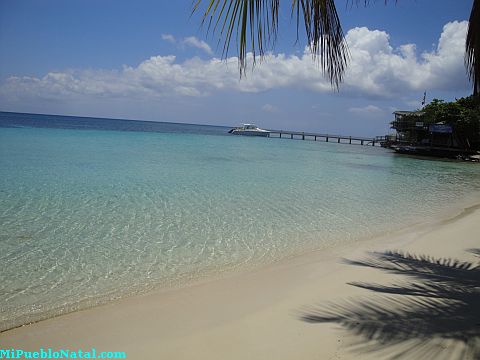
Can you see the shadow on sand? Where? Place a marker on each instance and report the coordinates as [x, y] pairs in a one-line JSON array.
[[434, 315]]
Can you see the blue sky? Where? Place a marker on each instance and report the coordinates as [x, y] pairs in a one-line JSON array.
[[150, 60]]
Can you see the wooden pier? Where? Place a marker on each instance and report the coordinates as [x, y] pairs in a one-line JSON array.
[[340, 139]]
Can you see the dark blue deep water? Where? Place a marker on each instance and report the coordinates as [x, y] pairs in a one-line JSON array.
[[11, 119]]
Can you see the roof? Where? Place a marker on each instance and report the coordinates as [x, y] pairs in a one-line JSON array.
[[414, 113]]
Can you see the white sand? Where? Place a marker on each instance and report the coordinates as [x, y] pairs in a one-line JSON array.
[[257, 315]]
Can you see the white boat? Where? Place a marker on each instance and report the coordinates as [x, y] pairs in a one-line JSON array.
[[249, 130]]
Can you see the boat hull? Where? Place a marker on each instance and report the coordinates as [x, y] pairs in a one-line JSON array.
[[251, 133]]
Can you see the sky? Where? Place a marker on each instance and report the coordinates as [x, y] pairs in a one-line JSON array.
[[151, 60]]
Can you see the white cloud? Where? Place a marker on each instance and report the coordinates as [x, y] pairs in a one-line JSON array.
[[376, 70], [191, 41], [169, 38], [270, 108], [197, 43], [380, 70], [369, 109]]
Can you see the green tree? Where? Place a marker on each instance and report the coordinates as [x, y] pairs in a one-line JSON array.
[[463, 115], [254, 24]]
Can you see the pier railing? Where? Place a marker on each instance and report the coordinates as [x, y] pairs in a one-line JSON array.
[[341, 139]]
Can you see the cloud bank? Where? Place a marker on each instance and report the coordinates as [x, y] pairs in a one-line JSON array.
[[376, 70]]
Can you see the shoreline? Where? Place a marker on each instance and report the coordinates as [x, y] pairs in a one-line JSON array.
[[455, 211], [185, 318]]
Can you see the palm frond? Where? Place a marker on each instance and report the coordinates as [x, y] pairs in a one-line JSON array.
[[472, 47], [255, 25], [411, 319], [324, 35], [253, 22]]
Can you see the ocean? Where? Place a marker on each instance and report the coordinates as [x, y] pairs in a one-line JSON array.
[[93, 210]]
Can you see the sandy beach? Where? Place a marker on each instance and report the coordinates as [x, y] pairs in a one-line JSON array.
[[358, 301], [240, 180]]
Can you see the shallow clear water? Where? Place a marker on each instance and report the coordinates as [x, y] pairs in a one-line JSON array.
[[92, 215]]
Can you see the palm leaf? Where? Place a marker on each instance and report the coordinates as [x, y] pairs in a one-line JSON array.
[[472, 47], [255, 24]]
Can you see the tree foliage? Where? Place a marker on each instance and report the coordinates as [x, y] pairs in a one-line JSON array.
[[462, 114]]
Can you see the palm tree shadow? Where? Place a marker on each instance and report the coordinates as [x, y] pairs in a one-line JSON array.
[[435, 315]]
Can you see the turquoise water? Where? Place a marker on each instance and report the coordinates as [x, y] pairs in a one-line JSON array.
[[87, 216]]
